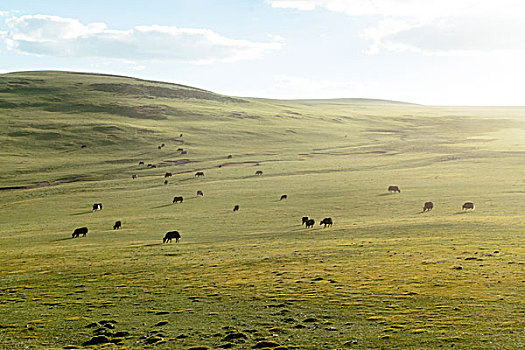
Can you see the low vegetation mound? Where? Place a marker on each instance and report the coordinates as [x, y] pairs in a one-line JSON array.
[[163, 92]]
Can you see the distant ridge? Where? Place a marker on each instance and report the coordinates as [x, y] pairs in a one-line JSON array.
[[327, 101], [342, 101]]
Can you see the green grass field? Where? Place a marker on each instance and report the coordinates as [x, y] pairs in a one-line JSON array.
[[384, 276]]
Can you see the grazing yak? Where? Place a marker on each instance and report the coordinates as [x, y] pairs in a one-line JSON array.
[[141, 163], [97, 206], [168, 175], [230, 156], [305, 219], [80, 231], [199, 193], [165, 182], [428, 206], [327, 222], [468, 205], [310, 223], [199, 173], [134, 176], [171, 234], [284, 196], [236, 208], [177, 199], [184, 152], [160, 147], [180, 149], [83, 146], [394, 189], [258, 172], [117, 225]]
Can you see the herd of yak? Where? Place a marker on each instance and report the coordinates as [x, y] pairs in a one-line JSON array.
[[308, 222]]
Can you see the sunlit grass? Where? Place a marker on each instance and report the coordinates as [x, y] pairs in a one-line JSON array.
[[385, 275]]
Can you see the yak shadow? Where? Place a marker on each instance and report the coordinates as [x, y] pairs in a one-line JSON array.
[[170, 204], [62, 239], [460, 213], [303, 228], [83, 212], [149, 245], [163, 206], [385, 194]]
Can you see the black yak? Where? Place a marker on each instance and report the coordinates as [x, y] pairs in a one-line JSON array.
[[468, 205], [327, 222], [171, 234], [80, 231], [394, 189], [428, 206]]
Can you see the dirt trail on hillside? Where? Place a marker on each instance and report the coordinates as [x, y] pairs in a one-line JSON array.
[[161, 165], [40, 184], [246, 163]]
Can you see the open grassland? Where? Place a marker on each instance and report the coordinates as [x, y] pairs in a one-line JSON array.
[[385, 275]]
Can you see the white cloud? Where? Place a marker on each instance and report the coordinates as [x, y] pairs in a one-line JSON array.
[[277, 38], [110, 65], [67, 37], [4, 13], [295, 4], [394, 8], [420, 9], [445, 27], [379, 34], [449, 36]]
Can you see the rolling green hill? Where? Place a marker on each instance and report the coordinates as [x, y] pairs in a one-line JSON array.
[[385, 275]]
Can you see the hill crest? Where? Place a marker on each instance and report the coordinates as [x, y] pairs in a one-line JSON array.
[[127, 88]]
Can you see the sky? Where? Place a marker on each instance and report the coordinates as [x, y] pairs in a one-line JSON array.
[[447, 52]]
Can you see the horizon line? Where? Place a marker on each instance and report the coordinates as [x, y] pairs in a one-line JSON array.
[[391, 101]]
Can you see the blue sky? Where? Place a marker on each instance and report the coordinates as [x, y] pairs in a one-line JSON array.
[[451, 52]]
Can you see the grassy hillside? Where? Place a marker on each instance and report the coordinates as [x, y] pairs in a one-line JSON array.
[[385, 275]]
